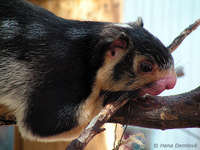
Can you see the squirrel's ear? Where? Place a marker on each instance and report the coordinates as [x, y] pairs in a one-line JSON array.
[[138, 22], [116, 48], [118, 44], [115, 37], [114, 41]]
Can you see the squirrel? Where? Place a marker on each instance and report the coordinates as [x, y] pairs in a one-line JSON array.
[[57, 74]]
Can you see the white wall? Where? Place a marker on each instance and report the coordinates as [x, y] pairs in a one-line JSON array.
[[166, 19]]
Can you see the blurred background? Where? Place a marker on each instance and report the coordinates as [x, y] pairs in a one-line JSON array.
[[166, 19]]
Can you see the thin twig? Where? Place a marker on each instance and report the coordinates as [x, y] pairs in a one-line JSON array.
[[115, 136], [96, 123], [177, 41], [127, 122]]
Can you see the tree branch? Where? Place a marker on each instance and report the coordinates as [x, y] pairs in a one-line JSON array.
[[178, 40], [94, 127], [168, 112]]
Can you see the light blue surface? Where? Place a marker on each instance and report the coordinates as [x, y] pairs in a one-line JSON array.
[[6, 138]]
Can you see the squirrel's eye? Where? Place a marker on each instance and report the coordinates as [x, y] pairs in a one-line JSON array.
[[113, 53], [146, 67]]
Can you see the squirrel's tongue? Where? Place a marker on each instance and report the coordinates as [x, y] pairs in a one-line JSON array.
[[160, 85]]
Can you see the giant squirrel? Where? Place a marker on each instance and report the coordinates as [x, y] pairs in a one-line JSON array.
[[57, 74]]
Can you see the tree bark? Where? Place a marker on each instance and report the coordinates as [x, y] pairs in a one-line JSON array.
[[168, 112]]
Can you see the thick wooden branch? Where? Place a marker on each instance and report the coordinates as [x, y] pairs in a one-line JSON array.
[[178, 111]]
